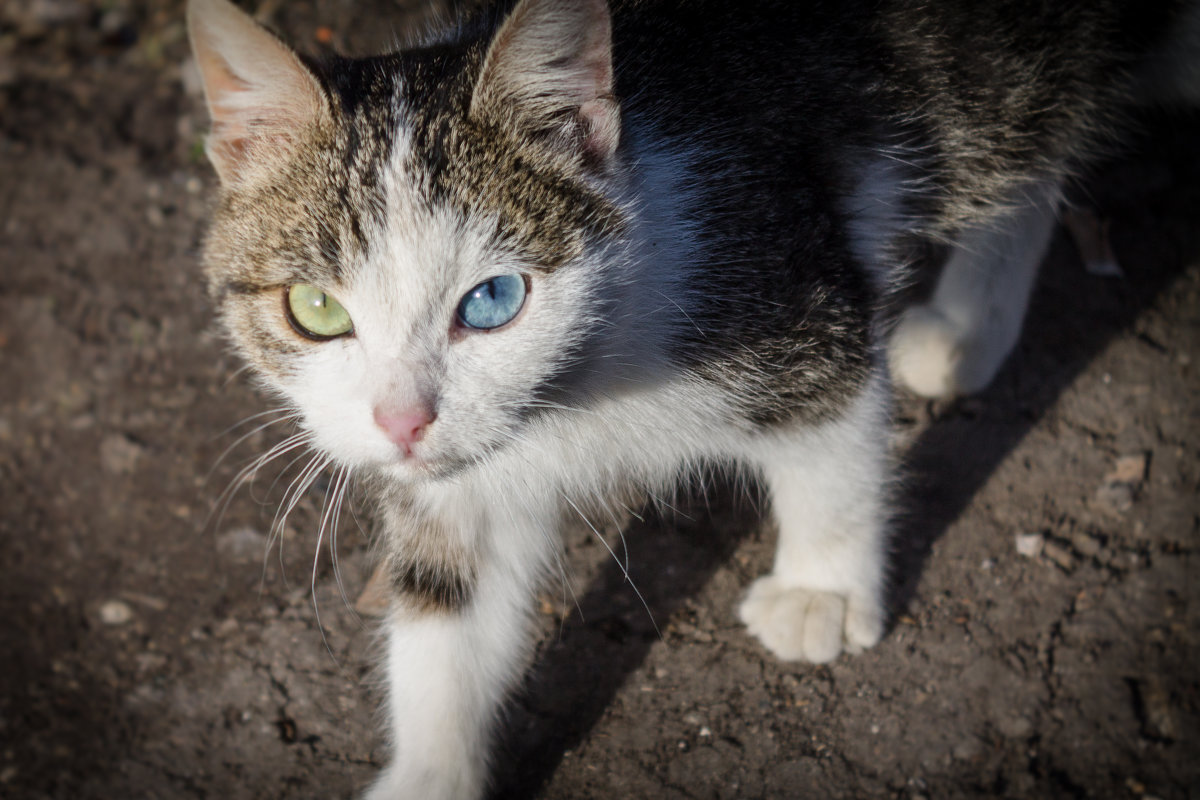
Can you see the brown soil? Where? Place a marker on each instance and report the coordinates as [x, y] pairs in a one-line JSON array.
[[151, 648]]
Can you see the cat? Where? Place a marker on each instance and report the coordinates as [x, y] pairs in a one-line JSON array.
[[561, 253]]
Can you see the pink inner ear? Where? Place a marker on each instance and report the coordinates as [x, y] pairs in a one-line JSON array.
[[219, 81], [601, 119], [260, 95], [228, 126]]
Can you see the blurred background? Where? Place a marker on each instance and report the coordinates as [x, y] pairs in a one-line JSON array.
[[162, 637]]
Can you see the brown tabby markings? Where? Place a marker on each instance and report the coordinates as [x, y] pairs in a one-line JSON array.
[[486, 160], [548, 213], [429, 566], [303, 225]]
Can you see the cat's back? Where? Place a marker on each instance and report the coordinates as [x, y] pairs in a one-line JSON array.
[[977, 95], [697, 62], [702, 59], [711, 48]]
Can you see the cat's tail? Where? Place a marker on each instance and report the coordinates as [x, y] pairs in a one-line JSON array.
[[1171, 76]]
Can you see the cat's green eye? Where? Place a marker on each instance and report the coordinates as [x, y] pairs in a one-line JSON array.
[[316, 314]]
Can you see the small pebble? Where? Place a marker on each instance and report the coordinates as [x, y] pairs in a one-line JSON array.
[[150, 662], [113, 21], [691, 631], [1115, 497], [147, 600], [82, 423], [55, 12], [1117, 493], [1059, 555], [1015, 727], [1030, 544], [1129, 469], [115, 612], [967, 750], [226, 628], [1085, 545], [242, 544], [119, 454], [1085, 601], [1158, 713]]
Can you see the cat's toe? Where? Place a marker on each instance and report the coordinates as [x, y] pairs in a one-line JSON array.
[[798, 624], [864, 624], [925, 353]]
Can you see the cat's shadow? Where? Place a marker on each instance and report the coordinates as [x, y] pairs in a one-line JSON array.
[[1152, 197], [609, 628]]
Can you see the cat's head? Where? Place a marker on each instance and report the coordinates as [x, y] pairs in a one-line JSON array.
[[410, 248]]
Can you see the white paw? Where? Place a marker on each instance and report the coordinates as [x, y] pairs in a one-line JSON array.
[[934, 357], [798, 624], [926, 352]]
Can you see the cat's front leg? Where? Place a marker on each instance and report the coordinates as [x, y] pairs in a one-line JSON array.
[[458, 639], [827, 485]]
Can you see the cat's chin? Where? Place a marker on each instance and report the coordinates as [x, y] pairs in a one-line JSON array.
[[415, 469]]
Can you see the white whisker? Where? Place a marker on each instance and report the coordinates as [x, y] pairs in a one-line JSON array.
[[623, 567]]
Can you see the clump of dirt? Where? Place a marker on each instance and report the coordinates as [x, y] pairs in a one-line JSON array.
[[1046, 601]]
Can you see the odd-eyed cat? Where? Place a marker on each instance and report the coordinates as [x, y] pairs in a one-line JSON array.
[[565, 251]]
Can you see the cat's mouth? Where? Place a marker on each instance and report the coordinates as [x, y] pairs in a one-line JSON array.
[[414, 467], [424, 463]]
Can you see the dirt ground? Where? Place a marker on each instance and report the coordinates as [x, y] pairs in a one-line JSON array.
[[1047, 594]]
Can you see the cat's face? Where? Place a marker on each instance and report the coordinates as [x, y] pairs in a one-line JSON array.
[[396, 257], [446, 320]]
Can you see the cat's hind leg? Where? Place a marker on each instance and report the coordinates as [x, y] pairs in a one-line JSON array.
[[827, 486], [956, 342]]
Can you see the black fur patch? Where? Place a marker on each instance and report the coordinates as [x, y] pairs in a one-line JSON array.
[[431, 588], [428, 570]]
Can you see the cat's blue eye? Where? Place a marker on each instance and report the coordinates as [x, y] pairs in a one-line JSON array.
[[492, 303]]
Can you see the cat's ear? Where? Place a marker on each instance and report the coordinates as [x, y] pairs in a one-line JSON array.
[[262, 98], [549, 72]]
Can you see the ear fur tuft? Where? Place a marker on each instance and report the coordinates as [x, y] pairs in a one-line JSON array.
[[549, 71]]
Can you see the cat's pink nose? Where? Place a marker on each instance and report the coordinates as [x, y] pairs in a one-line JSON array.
[[406, 427]]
